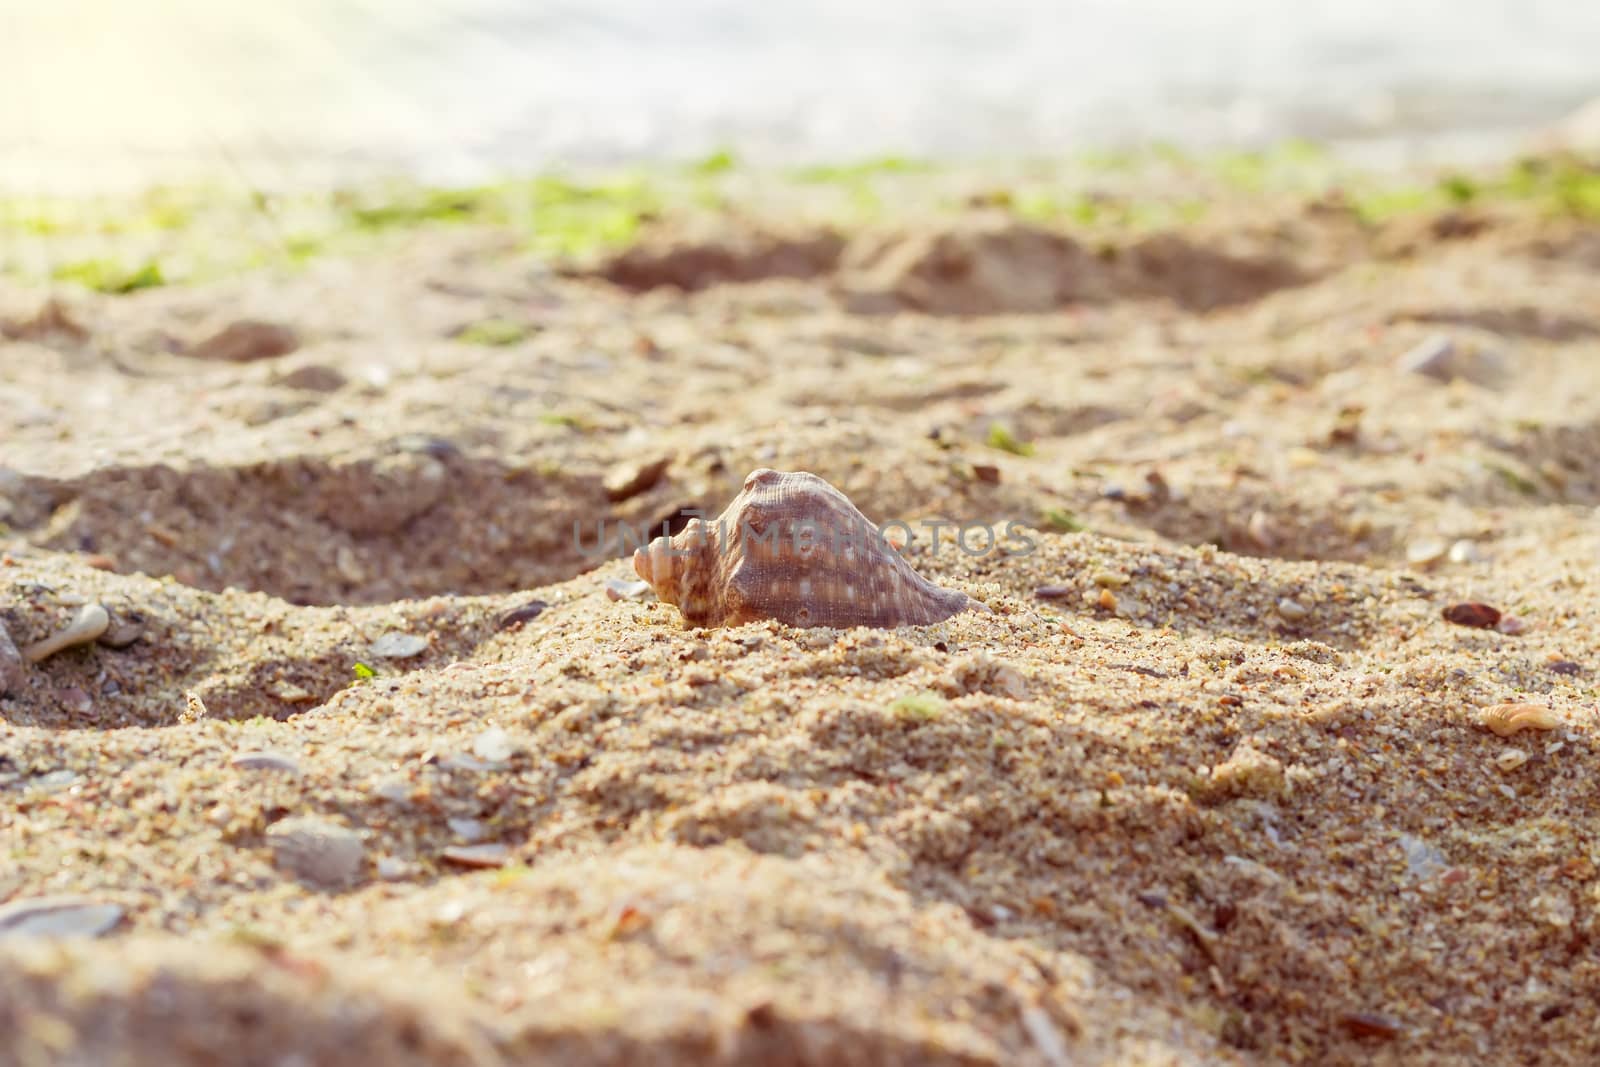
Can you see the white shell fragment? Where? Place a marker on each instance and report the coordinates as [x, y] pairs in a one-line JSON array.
[[90, 622]]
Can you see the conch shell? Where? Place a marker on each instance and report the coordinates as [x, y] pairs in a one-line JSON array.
[[792, 548]]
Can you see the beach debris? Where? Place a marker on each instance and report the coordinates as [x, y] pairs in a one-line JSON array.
[[247, 340], [264, 760], [792, 548], [1511, 625], [1508, 719], [125, 628], [13, 668], [481, 857], [522, 613], [630, 479], [58, 916], [316, 851], [1472, 613], [88, 624], [618, 589], [396, 645]]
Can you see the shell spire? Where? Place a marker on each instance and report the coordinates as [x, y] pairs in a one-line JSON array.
[[791, 547]]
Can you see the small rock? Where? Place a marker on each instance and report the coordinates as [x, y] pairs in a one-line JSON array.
[[470, 831], [265, 761], [479, 856], [54, 781], [1465, 551], [617, 589], [1426, 552], [1442, 359], [1053, 592], [75, 700], [494, 745], [986, 473], [394, 869], [1481, 616], [63, 916], [522, 613], [313, 378], [316, 851], [13, 668], [1511, 625], [1292, 610], [1432, 358], [247, 340], [290, 693], [397, 645], [1565, 667], [630, 479], [126, 627]]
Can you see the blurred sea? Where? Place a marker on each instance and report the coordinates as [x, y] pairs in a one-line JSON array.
[[103, 92]]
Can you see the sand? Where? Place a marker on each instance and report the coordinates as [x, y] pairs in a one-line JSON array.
[[389, 777]]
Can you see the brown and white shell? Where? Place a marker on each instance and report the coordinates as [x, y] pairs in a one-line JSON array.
[[791, 547]]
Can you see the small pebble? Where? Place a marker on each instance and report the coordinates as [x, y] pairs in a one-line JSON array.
[[1510, 625], [125, 628], [290, 693], [522, 613], [1481, 616], [1465, 551], [75, 700], [1510, 759], [1433, 358], [316, 851], [986, 473], [1565, 667], [479, 856], [630, 479], [245, 341], [394, 869], [1053, 592], [470, 831], [494, 745], [1426, 552], [397, 645], [264, 761], [617, 589], [1292, 610], [13, 668], [63, 916]]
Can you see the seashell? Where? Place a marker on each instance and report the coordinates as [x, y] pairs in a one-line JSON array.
[[1508, 719], [792, 548]]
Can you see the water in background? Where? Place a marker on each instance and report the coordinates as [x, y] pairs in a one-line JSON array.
[[98, 92]]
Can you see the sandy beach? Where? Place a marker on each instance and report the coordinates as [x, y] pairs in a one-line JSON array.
[[378, 759]]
